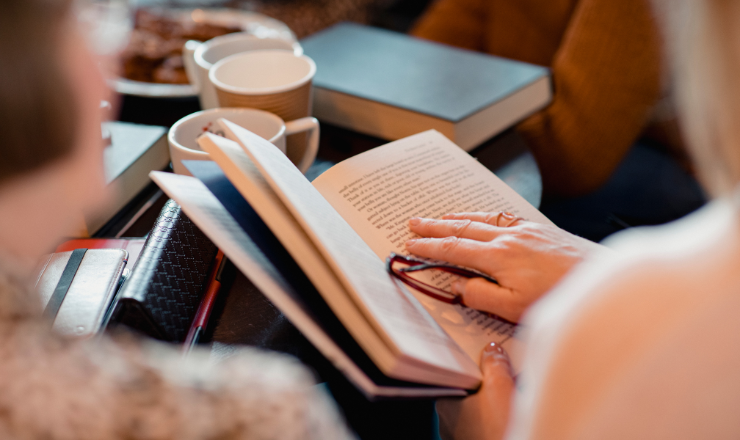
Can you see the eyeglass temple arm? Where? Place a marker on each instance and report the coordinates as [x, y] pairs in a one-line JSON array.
[[418, 265]]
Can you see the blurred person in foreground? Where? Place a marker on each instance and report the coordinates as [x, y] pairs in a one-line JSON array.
[[56, 387], [607, 147], [641, 343]]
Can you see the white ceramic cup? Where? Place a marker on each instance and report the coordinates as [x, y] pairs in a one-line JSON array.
[[275, 81], [200, 57], [272, 80], [184, 134]]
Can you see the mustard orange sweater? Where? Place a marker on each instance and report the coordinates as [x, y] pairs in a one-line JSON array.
[[606, 62]]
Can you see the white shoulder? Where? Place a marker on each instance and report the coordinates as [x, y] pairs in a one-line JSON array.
[[594, 333]]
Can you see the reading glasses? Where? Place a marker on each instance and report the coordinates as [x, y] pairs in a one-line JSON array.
[[402, 267]]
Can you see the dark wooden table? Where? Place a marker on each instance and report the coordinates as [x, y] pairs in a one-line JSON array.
[[244, 317]]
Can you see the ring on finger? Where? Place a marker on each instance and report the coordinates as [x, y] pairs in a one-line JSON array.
[[504, 219]]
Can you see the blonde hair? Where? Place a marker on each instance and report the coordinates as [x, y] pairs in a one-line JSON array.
[[703, 42]]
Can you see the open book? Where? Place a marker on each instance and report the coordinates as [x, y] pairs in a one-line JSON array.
[[317, 251]]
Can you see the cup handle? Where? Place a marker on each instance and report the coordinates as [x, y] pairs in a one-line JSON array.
[[188, 59], [301, 125]]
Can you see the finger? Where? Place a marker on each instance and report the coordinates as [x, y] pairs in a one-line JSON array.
[[485, 414], [459, 251], [482, 217], [497, 389], [453, 228], [496, 218], [495, 363], [498, 376], [481, 294]]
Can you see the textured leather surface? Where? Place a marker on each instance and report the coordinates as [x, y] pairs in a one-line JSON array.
[[162, 295]]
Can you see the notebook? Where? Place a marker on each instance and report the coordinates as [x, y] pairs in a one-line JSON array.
[[391, 85]]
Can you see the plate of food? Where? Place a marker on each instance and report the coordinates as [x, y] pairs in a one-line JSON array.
[[152, 64]]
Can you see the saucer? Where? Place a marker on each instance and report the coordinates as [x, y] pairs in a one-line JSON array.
[[252, 22]]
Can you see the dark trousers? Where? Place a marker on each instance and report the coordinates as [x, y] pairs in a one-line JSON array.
[[648, 188]]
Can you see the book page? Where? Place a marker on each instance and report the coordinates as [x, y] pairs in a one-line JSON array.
[[255, 261], [394, 313], [202, 207], [425, 175], [245, 176]]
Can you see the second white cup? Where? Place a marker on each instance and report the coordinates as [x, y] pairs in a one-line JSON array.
[[182, 136], [200, 57]]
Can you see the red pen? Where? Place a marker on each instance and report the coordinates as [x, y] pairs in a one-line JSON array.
[[206, 305]]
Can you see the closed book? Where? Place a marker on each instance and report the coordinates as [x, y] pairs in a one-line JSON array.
[[77, 288], [135, 150], [391, 85], [131, 245]]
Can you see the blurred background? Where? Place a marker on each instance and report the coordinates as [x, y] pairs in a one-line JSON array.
[[305, 17]]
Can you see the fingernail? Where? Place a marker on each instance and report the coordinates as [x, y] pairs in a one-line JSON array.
[[494, 348], [414, 221], [411, 242], [458, 286], [495, 353]]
